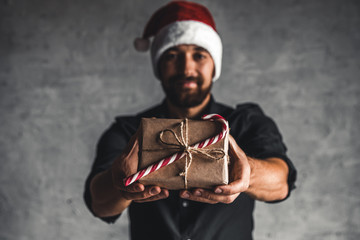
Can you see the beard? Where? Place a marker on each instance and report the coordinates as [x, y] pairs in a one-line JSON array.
[[182, 97]]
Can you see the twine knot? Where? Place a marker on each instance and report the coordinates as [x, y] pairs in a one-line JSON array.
[[183, 145]]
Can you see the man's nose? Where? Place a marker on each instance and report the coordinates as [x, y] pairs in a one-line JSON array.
[[187, 66]]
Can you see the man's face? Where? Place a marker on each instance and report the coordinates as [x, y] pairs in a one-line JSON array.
[[186, 73]]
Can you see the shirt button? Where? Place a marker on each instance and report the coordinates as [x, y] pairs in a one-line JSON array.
[[185, 204]]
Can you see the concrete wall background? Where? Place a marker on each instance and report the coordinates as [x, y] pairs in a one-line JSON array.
[[68, 67]]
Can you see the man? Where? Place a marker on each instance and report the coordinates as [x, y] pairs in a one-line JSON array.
[[186, 54]]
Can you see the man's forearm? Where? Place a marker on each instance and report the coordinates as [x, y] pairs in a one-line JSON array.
[[268, 179], [106, 200]]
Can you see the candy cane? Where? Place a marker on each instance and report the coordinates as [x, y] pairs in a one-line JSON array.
[[176, 156]]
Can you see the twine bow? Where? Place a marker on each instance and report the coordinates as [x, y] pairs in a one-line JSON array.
[[183, 145]]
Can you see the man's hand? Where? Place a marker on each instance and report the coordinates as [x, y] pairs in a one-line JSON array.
[[239, 180], [109, 195], [126, 165]]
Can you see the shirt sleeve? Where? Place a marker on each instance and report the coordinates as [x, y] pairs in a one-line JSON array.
[[259, 137], [109, 147]]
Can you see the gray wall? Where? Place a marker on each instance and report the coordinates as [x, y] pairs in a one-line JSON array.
[[68, 67]]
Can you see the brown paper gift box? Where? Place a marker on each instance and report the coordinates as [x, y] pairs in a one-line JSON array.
[[203, 172]]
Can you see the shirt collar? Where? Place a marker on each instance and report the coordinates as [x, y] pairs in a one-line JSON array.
[[212, 107]]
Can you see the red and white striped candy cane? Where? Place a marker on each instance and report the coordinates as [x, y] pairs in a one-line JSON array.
[[176, 156]]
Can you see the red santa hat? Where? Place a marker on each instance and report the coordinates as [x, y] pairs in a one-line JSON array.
[[181, 22]]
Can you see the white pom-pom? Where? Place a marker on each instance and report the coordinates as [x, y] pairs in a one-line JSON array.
[[142, 44]]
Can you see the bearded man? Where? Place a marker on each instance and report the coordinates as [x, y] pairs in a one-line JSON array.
[[186, 54]]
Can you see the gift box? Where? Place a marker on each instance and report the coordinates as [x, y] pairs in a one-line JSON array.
[[197, 167]]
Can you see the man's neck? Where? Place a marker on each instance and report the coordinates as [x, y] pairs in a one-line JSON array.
[[192, 112]]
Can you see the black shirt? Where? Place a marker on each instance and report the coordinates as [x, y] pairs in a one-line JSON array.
[[177, 218]]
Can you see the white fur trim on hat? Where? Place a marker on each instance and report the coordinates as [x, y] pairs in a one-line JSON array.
[[187, 32]]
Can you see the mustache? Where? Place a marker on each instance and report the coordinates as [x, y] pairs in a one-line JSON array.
[[183, 78]]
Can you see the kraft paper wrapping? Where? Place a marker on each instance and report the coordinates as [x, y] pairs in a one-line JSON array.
[[203, 172]]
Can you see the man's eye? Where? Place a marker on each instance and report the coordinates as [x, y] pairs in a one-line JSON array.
[[170, 56], [199, 56]]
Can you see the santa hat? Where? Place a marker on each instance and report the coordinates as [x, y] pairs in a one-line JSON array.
[[181, 22]]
